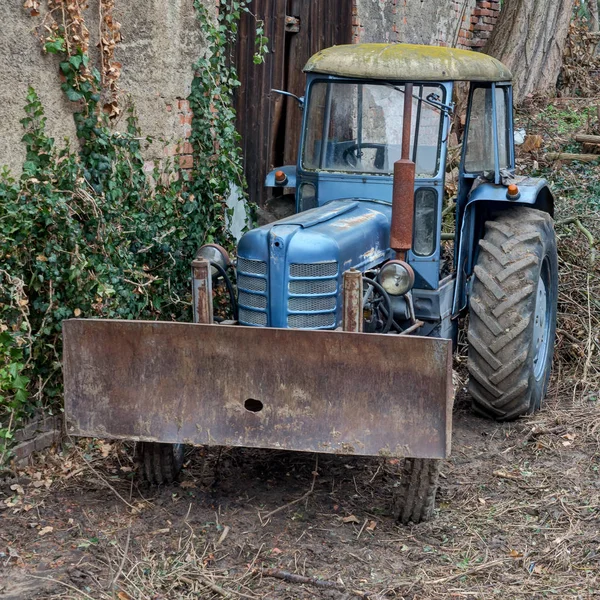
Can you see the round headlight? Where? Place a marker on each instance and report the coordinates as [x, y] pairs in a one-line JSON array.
[[396, 277], [215, 254]]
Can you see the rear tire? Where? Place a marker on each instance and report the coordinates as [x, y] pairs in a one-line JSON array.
[[415, 497], [160, 463], [512, 314]]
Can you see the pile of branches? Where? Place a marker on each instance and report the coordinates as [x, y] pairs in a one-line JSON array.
[[580, 73]]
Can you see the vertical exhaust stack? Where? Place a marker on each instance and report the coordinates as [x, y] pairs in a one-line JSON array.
[[403, 195]]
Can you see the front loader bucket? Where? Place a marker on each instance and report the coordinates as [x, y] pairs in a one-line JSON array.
[[313, 391]]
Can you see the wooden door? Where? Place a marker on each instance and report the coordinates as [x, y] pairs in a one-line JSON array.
[[270, 123]]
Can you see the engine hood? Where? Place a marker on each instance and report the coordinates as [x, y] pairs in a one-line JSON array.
[[357, 231], [302, 258]]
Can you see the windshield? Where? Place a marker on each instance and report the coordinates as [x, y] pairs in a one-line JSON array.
[[357, 127]]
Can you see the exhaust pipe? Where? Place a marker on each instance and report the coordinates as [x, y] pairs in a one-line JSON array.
[[403, 194]]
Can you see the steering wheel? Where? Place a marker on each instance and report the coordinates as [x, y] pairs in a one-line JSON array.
[[352, 154]]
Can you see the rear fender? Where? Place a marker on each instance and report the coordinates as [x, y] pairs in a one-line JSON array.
[[485, 200]]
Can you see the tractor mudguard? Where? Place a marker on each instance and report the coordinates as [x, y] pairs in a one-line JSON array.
[[290, 173], [314, 391], [533, 191]]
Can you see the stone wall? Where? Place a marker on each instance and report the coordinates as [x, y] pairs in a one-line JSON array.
[[454, 23], [161, 42]]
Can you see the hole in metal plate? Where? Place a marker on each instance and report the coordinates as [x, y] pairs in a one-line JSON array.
[[253, 405]]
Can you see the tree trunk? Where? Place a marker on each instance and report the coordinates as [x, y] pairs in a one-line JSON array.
[[529, 38], [594, 25]]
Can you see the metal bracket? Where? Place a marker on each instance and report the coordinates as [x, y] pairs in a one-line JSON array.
[[353, 295], [202, 291]]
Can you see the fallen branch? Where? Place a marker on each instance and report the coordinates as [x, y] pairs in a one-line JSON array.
[[568, 156], [302, 579], [587, 139], [264, 519], [483, 567], [217, 589], [592, 242]]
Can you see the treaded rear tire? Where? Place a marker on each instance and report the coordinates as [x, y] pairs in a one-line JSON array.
[[415, 496], [160, 463], [508, 376]]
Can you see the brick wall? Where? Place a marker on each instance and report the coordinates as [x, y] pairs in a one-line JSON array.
[[477, 24], [454, 23]]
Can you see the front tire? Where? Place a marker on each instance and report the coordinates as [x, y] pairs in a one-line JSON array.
[[160, 463], [512, 314], [415, 496]]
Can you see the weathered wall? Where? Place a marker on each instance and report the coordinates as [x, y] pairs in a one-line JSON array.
[[458, 23], [161, 42]]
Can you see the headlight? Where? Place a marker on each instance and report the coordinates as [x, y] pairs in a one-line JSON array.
[[215, 254], [396, 277]]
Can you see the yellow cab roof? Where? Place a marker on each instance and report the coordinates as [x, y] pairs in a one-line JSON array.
[[407, 62]]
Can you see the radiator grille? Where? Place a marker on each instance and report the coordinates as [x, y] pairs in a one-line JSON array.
[[252, 284], [252, 287], [311, 321], [312, 303], [325, 269], [313, 286], [303, 304], [252, 317], [252, 300], [253, 267]]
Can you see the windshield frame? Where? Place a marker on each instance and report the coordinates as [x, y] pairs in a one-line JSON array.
[[444, 109]]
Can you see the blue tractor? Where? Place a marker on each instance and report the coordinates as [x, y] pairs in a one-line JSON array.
[[346, 311]]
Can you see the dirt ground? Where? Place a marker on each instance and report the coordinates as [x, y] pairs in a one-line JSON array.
[[518, 517]]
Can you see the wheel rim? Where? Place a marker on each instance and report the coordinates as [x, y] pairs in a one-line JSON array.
[[541, 325]]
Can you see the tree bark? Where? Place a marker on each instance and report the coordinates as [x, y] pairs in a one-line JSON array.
[[594, 24], [529, 38]]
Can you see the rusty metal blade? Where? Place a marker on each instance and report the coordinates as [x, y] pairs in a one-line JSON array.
[[317, 391]]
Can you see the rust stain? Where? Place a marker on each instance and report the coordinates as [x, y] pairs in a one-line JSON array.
[[349, 222], [185, 382]]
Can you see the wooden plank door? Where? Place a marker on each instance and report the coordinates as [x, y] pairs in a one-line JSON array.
[[270, 123]]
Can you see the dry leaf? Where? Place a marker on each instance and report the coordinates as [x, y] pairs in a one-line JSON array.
[[532, 142], [124, 596], [104, 448], [187, 484], [515, 554], [15, 487], [45, 530], [481, 500], [350, 519], [569, 436]]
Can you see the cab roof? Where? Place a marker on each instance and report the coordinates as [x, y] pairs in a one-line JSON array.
[[407, 62]]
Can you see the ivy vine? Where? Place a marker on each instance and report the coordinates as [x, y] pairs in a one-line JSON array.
[[86, 231]]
